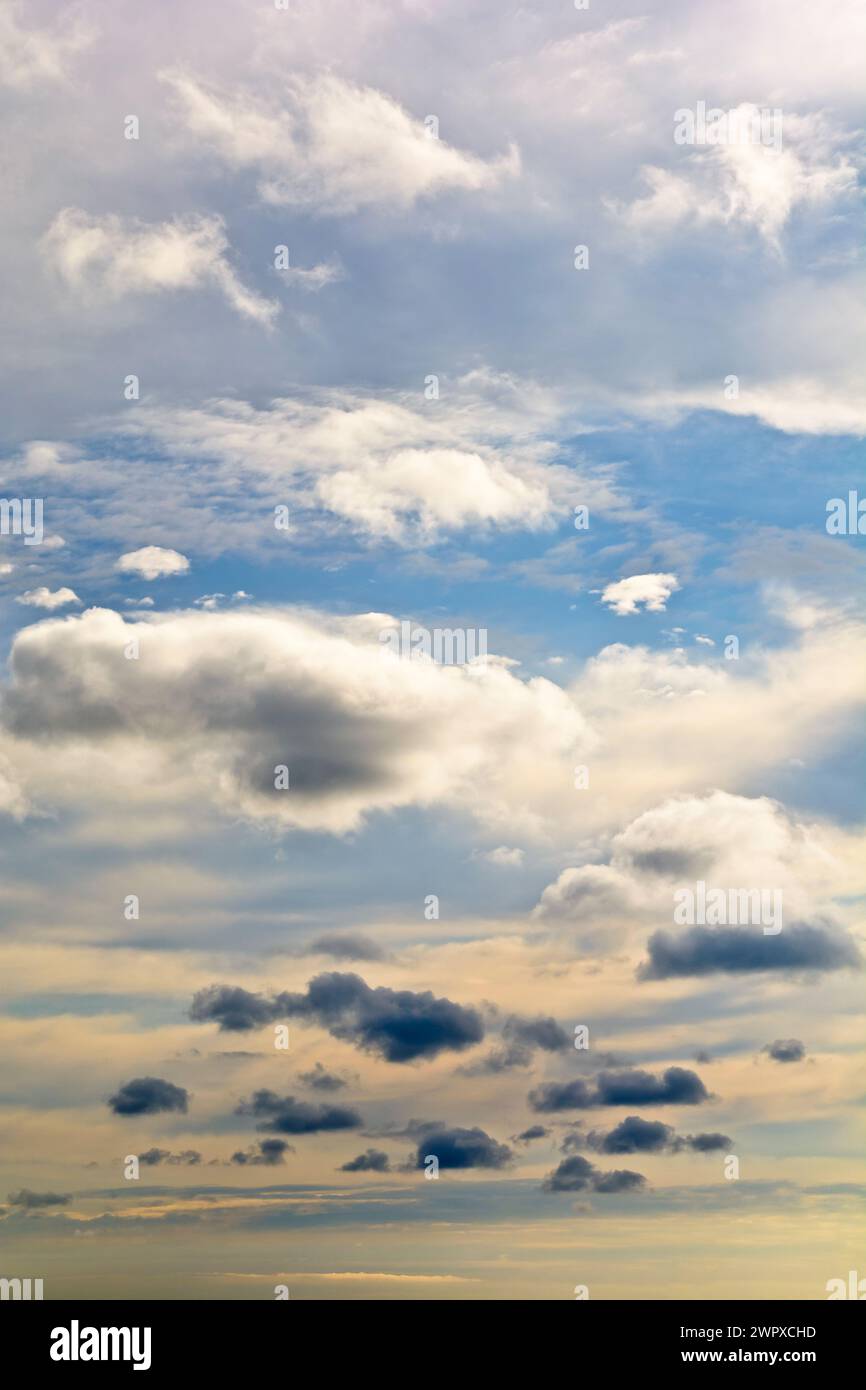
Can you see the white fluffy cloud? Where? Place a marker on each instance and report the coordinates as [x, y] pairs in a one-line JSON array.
[[218, 702], [115, 257], [153, 562], [396, 467], [650, 590], [331, 145], [47, 598]]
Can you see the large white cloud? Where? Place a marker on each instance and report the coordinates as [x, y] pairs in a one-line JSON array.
[[215, 703]]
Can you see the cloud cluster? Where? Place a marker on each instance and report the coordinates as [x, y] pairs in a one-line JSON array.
[[287, 1115], [676, 1086], [577, 1174]]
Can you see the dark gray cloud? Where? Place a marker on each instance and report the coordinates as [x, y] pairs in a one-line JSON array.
[[397, 1024], [268, 1153], [534, 1132], [33, 1201], [321, 1080], [236, 1010], [345, 946], [371, 1161], [286, 1115], [785, 1050], [462, 1148], [676, 1086], [148, 1095], [577, 1174], [563, 1095], [635, 1135], [706, 1143], [737, 950], [188, 1158]]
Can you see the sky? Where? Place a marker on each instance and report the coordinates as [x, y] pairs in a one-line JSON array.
[[431, 729]]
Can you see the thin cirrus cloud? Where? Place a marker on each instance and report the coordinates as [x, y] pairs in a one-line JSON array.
[[331, 145], [112, 257]]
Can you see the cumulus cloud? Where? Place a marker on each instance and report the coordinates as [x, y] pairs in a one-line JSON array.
[[148, 1095], [268, 1153], [785, 1050], [331, 146], [371, 1161], [220, 701], [650, 590], [461, 1148], [399, 1025], [320, 1079], [286, 1115], [635, 1135], [801, 946], [153, 562], [577, 1174], [389, 466], [46, 598], [187, 1158], [112, 257], [676, 1086]]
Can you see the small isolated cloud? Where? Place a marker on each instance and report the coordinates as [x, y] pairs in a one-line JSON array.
[[650, 590], [287, 1115], [319, 1079], [152, 562], [333, 146], [676, 1086], [112, 257], [148, 1095], [371, 1161], [268, 1153], [314, 278], [187, 1158], [46, 598], [785, 1050], [461, 1148], [742, 950], [577, 1174], [34, 1201], [635, 1135], [527, 1136]]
